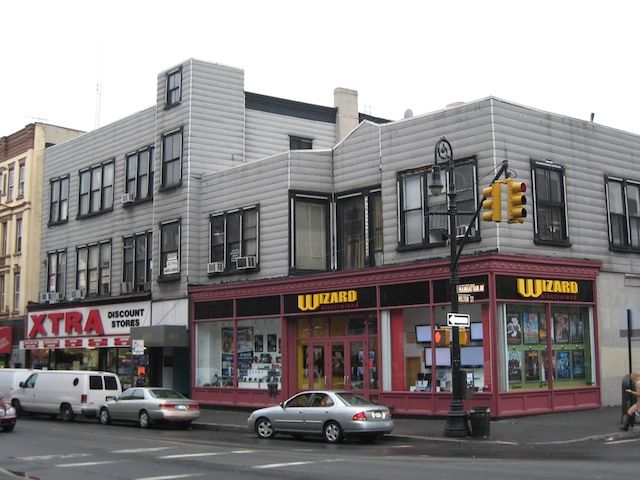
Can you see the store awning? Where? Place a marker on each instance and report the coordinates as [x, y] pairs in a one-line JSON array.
[[161, 335]]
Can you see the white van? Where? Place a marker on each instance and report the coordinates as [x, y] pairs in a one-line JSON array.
[[10, 378], [65, 392]]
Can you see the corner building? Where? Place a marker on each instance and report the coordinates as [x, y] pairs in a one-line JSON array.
[[349, 273], [120, 229]]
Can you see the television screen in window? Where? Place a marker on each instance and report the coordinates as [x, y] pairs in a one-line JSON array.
[[471, 356], [423, 333], [476, 331], [443, 357]]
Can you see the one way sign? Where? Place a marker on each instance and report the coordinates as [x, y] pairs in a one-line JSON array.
[[458, 320]]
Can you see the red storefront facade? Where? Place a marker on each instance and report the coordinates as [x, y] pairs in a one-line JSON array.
[[531, 348]]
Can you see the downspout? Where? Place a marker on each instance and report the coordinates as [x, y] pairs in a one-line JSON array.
[[495, 162], [188, 220]]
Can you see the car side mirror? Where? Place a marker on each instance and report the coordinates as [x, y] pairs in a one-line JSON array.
[[282, 404], [21, 384]]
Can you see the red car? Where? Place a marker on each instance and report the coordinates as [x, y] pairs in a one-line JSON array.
[[7, 415]]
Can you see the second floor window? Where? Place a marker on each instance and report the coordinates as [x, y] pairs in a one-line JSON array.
[[172, 159], [18, 235], [170, 248], [174, 87], [5, 238], [16, 291], [93, 268], [359, 230], [96, 189], [21, 175], [234, 235], [56, 271], [59, 202], [10, 180], [549, 207], [300, 143], [3, 304], [139, 170], [623, 202], [137, 261], [310, 232]]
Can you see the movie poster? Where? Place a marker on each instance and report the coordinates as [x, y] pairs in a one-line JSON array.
[[531, 328], [532, 366], [563, 365], [577, 363], [513, 329], [515, 366], [576, 329], [561, 327]]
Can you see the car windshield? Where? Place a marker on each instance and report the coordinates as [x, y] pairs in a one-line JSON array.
[[353, 399], [164, 393]]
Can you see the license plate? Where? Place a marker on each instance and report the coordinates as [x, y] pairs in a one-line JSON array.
[[181, 407], [378, 415]]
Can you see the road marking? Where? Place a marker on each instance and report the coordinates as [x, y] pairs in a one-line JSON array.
[[86, 464], [204, 454], [51, 457], [294, 464], [141, 450], [616, 442], [169, 477]]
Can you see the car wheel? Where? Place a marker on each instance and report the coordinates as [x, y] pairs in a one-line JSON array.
[[104, 417], [9, 428], [66, 412], [16, 404], [264, 429], [333, 432], [144, 420]]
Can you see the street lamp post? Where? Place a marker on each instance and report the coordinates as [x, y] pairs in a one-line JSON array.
[[456, 424]]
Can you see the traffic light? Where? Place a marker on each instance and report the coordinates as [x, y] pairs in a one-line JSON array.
[[441, 337], [492, 203], [516, 201]]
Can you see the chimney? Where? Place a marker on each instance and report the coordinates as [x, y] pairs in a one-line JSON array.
[[347, 118]]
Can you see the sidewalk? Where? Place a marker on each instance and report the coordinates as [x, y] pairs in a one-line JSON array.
[[549, 428]]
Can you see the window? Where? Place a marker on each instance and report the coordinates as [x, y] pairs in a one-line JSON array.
[[170, 248], [359, 230], [139, 179], [95, 382], [310, 233], [56, 271], [5, 238], [234, 234], [423, 216], [549, 206], [16, 291], [10, 180], [21, 174], [18, 235], [93, 269], [623, 204], [1, 184], [300, 143], [96, 189], [172, 159], [174, 87], [2, 299], [137, 261], [59, 203]]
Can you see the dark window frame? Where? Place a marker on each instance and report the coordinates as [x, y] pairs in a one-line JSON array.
[[59, 278], [56, 204], [300, 143], [434, 217], [22, 173], [99, 268], [227, 257], [554, 207], [172, 99], [369, 227], [164, 185], [133, 179], [170, 276], [323, 199], [627, 223], [19, 235], [140, 284], [93, 192]]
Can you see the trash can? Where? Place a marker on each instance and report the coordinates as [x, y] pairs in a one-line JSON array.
[[480, 418]]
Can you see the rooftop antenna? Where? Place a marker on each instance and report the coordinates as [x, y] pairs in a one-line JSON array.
[[592, 116]]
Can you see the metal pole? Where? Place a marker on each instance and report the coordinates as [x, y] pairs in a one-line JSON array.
[[629, 339], [456, 424]]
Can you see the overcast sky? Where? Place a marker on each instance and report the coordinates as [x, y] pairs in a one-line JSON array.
[[566, 57]]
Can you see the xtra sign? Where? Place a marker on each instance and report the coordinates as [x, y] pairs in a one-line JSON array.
[[89, 321]]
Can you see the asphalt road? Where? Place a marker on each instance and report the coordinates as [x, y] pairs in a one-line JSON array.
[[51, 449]]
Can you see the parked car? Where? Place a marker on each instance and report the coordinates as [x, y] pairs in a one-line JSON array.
[[333, 414], [7, 415], [148, 405], [64, 392]]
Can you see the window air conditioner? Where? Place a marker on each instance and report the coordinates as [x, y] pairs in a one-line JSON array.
[[243, 263], [215, 267], [55, 296], [77, 294], [45, 297], [144, 287], [461, 231], [126, 287], [170, 270], [128, 198]]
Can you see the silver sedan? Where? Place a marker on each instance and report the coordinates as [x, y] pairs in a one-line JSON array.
[[147, 405], [329, 413]]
